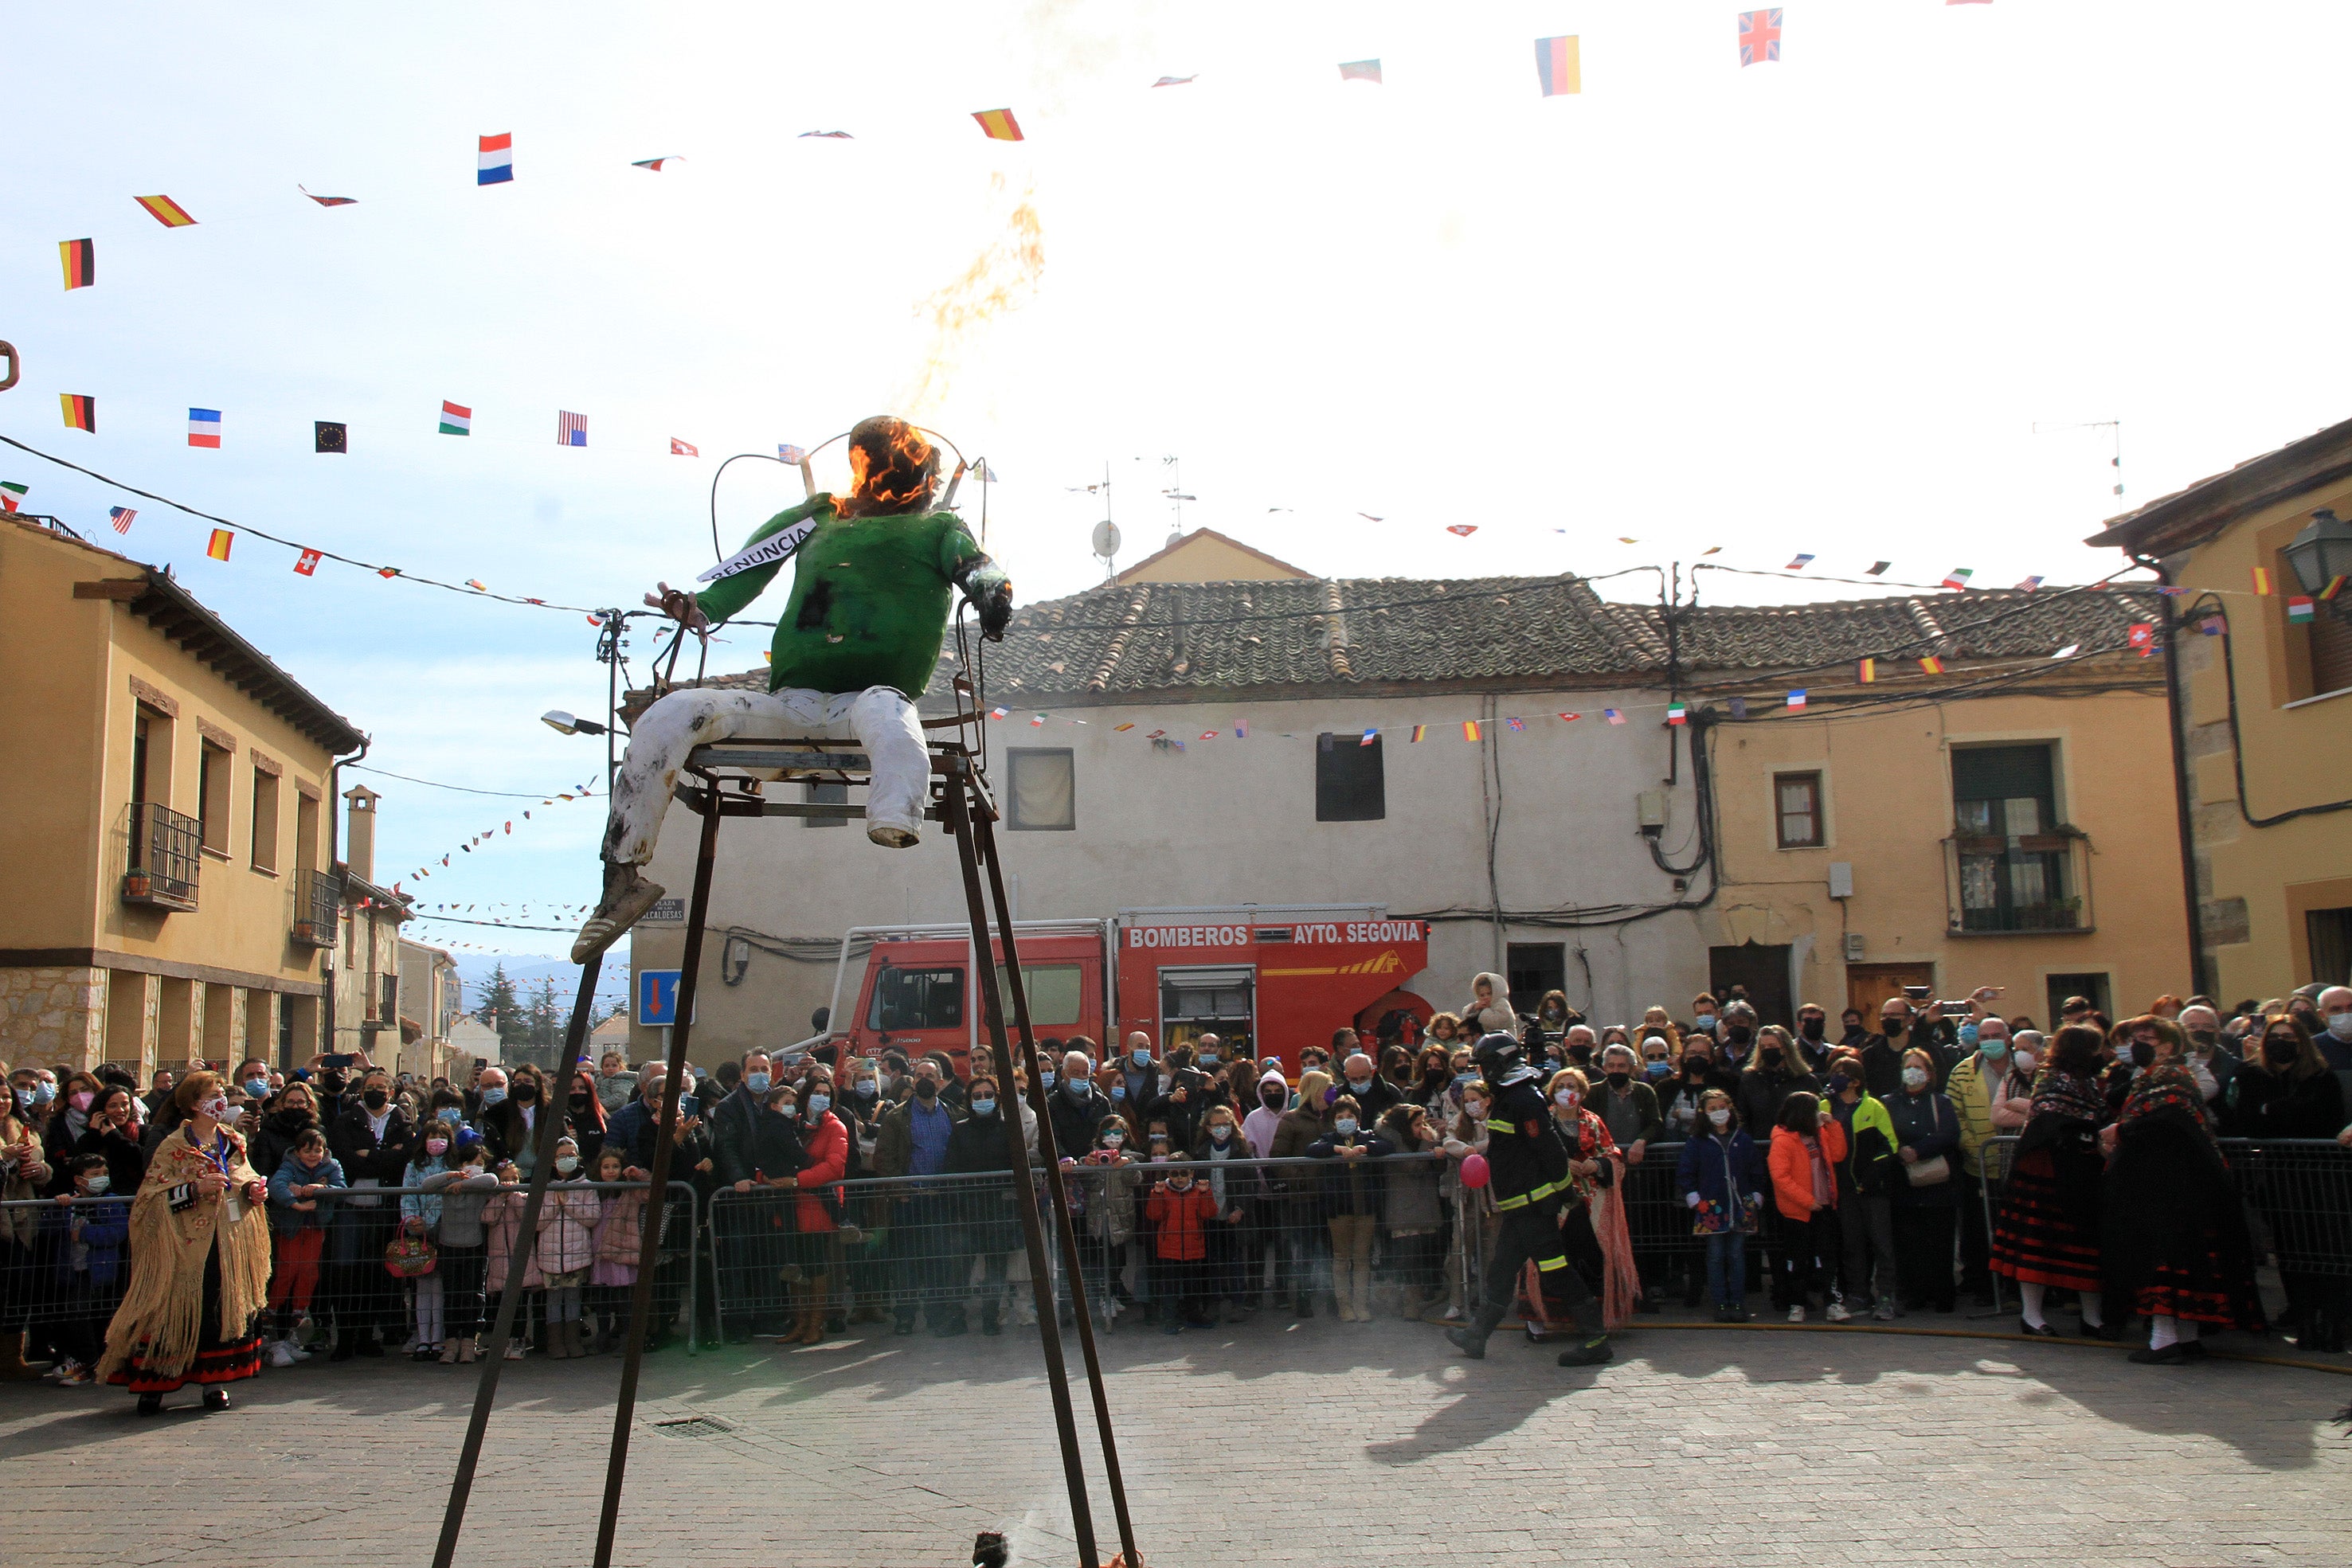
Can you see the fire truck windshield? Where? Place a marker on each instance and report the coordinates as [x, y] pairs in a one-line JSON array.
[[917, 999]]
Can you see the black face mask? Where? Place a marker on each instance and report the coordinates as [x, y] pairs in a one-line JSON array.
[[1772, 1055], [1273, 1099], [1580, 1054], [374, 1099], [1738, 1034], [1813, 1029], [1695, 1066], [2280, 1052], [1892, 1028], [2143, 1054], [579, 1102], [926, 1090], [526, 1094], [1619, 1080]]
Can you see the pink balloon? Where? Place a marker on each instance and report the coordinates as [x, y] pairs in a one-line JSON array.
[[1474, 1171]]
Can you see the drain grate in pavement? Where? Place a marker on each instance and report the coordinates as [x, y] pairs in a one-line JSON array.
[[694, 1427]]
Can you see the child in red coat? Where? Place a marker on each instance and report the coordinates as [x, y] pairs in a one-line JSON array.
[[1181, 1212]]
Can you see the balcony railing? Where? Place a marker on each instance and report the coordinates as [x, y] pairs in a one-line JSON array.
[[317, 899], [165, 856], [2033, 884]]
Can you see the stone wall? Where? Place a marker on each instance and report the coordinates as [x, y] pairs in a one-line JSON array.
[[51, 1014]]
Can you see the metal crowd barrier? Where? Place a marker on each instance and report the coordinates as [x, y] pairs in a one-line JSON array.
[[2297, 1194], [948, 1249], [64, 1265]]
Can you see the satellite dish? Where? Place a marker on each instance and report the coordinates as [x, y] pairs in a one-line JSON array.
[[1106, 539]]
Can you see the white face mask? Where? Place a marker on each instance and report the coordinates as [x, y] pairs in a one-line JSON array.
[[2340, 1025], [1567, 1097], [217, 1108], [1475, 1109], [1914, 1078], [567, 1164], [1719, 1116]]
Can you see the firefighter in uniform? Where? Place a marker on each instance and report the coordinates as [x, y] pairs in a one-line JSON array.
[[1527, 1167]]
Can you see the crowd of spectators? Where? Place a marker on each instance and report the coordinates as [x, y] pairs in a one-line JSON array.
[[1837, 1169]]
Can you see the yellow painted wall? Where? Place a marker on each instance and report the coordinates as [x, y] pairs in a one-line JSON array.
[[68, 706], [2297, 751], [1207, 557], [1886, 783]]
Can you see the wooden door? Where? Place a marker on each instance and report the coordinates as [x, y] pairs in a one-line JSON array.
[[1867, 986]]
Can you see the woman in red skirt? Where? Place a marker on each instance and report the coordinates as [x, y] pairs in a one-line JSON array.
[[2174, 1245], [2047, 1231]]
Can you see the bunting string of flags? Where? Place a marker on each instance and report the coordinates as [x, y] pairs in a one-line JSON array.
[[505, 829]]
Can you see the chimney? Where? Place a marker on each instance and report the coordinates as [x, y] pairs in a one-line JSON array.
[[359, 833]]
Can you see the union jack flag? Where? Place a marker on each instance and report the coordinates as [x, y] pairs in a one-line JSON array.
[[570, 429], [1759, 36]]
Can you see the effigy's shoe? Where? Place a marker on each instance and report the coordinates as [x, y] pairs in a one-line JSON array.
[[622, 908]]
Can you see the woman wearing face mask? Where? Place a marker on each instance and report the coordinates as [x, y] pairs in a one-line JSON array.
[[1296, 1190], [1927, 1201], [1465, 1135], [86, 1240], [25, 1175], [825, 1160], [1433, 1081], [2173, 1241], [586, 1120], [2012, 1107], [510, 1125], [1235, 1189], [1412, 1210], [113, 1135], [1776, 1069], [566, 1249], [1102, 1188], [2046, 1228], [1351, 1202], [371, 1139], [2285, 1090], [284, 1119], [1592, 1226], [1866, 1178], [1722, 1183], [986, 1219], [68, 1120], [199, 1261], [433, 1167]]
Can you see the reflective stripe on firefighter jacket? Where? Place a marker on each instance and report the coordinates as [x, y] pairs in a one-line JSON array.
[[1526, 1166]]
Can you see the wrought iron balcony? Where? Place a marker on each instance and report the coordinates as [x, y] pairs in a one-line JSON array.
[[2031, 884], [317, 899], [165, 855]]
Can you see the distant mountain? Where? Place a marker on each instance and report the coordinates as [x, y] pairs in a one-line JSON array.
[[524, 970]]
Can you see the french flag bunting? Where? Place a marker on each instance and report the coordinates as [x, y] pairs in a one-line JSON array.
[[497, 163], [204, 427]]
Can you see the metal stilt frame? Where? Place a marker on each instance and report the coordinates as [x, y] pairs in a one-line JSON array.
[[963, 804]]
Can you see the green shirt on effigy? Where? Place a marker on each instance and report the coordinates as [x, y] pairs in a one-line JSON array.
[[869, 601]]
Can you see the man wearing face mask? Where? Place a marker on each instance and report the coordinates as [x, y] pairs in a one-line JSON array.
[[1974, 1088], [1077, 1106], [734, 1124], [914, 1143], [489, 1088], [1812, 1030], [1735, 1029], [2332, 1027], [1526, 1173], [1881, 1053], [1138, 1074], [1374, 1094], [2211, 1063], [373, 1141]]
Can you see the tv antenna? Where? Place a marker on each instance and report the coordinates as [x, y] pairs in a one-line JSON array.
[[1105, 534], [2114, 426], [1176, 494]]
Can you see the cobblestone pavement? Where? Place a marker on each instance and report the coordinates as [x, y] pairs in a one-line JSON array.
[[1273, 1443]]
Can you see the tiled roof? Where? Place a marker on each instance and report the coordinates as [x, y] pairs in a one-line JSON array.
[[1291, 639], [2191, 516]]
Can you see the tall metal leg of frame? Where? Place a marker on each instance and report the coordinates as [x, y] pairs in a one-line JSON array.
[[641, 1294], [959, 816], [550, 1133], [984, 831]]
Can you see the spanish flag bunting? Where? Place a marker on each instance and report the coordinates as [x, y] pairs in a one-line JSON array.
[[81, 412], [1469, 729], [165, 210], [999, 124], [1866, 671], [2262, 574], [2335, 586], [1122, 728], [1418, 731], [329, 201], [1932, 664], [80, 263], [218, 549], [477, 585], [307, 563]]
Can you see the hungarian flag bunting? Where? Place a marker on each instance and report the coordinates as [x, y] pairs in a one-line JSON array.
[[165, 210], [81, 412], [999, 124], [2299, 610], [307, 563], [455, 421], [80, 262], [219, 548]]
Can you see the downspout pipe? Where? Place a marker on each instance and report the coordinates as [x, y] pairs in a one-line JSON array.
[[2175, 710]]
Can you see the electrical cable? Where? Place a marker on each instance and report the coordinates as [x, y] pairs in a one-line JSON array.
[[392, 571], [2237, 742]]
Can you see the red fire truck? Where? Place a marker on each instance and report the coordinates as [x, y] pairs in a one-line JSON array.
[[1269, 980]]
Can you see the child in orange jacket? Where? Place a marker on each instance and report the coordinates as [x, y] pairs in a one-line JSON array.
[[1807, 1144], [1181, 1212]]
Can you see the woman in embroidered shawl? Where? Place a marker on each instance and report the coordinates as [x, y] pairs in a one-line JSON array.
[[2173, 1243], [199, 1261], [2046, 1232]]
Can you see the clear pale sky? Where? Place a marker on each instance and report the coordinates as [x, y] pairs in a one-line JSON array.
[[1817, 305]]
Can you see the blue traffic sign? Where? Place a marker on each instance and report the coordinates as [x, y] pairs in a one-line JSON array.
[[657, 991]]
